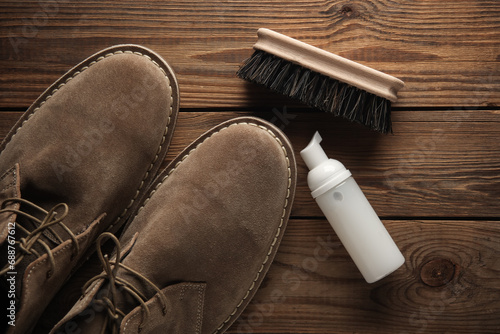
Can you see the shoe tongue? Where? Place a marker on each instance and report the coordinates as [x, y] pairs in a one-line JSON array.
[[90, 304], [123, 299]]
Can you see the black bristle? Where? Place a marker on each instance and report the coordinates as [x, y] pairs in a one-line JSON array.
[[318, 90]]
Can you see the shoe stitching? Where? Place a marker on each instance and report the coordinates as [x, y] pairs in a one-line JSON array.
[[13, 183], [10, 185], [129, 320], [5, 232], [136, 314], [199, 309], [83, 299], [84, 68], [282, 219]]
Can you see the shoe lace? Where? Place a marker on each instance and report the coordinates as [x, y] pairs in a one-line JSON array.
[[25, 245], [108, 299]]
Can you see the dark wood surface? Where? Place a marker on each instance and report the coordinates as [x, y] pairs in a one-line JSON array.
[[435, 182]]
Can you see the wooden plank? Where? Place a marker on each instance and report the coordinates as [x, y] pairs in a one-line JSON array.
[[448, 284], [450, 168], [437, 163], [447, 52]]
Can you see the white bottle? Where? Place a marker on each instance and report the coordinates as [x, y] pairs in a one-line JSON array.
[[350, 214]]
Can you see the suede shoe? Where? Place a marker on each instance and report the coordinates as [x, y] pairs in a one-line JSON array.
[[198, 248], [75, 165]]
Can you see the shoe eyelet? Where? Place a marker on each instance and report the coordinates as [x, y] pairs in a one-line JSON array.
[[49, 274]]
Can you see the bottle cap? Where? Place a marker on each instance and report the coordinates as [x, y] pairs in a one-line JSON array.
[[325, 173], [313, 154]]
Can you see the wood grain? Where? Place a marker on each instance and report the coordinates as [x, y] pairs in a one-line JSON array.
[[314, 287], [436, 164], [435, 182], [447, 52], [449, 165]]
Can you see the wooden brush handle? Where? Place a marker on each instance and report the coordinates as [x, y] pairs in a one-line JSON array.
[[329, 64]]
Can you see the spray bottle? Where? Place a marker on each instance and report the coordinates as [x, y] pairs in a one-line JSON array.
[[350, 214]]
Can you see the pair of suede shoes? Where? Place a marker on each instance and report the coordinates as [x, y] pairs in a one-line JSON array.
[[82, 163]]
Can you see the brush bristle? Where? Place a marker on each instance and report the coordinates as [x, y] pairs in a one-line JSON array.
[[318, 90]]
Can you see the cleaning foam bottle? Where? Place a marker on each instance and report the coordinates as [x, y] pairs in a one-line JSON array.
[[350, 214]]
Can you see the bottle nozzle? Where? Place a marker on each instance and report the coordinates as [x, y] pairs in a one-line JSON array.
[[313, 154]]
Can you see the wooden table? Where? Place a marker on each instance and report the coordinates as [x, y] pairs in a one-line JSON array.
[[435, 182]]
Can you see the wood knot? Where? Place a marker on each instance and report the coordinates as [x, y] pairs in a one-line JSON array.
[[347, 11], [437, 272]]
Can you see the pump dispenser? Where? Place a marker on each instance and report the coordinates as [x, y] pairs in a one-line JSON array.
[[350, 214]]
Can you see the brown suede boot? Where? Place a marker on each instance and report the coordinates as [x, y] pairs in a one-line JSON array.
[[198, 248], [75, 165]]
